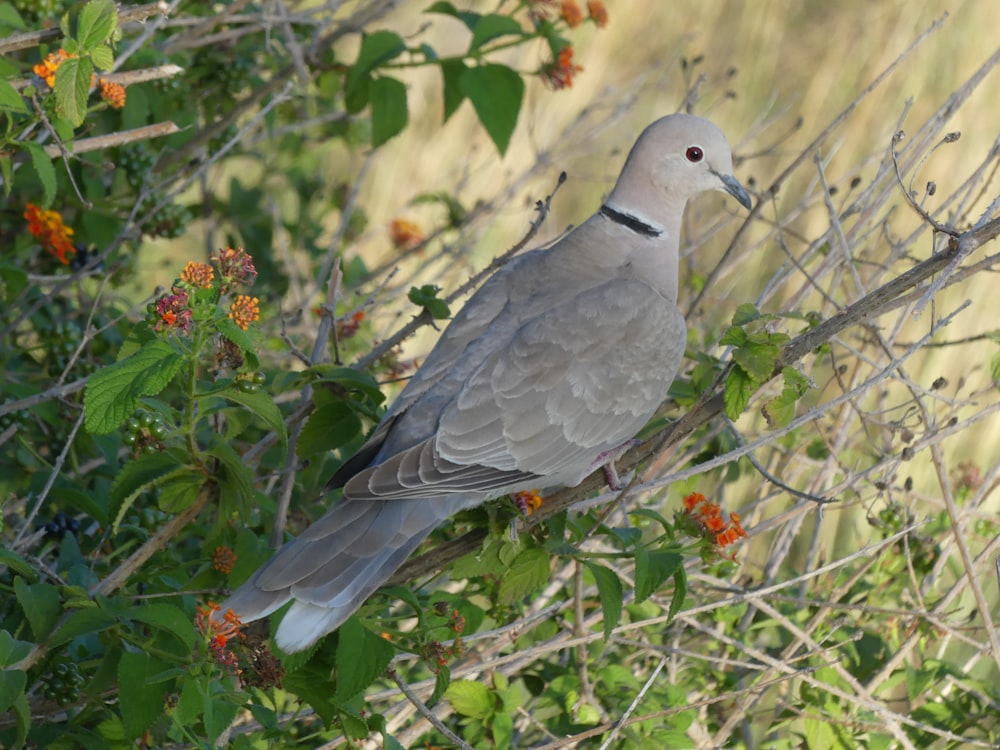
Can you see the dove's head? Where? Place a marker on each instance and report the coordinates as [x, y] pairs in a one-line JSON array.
[[676, 157]]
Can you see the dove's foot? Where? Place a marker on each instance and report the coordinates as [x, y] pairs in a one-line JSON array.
[[607, 462]]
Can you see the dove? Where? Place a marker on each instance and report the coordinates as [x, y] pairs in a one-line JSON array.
[[546, 373]]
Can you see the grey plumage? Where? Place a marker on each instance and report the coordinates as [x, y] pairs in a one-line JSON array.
[[563, 355]]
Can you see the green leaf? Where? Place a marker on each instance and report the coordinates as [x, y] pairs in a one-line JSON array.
[[97, 22], [12, 650], [41, 605], [12, 560], [496, 92], [362, 657], [179, 491], [995, 369], [680, 592], [10, 100], [734, 336], [329, 427], [652, 568], [261, 404], [389, 109], [12, 684], [83, 622], [238, 476], [7, 171], [113, 393], [780, 411], [73, 88], [426, 297], [46, 172], [736, 394], [609, 588], [451, 74], [757, 360], [137, 476], [492, 26], [168, 618], [140, 697], [441, 683], [527, 574], [470, 698], [469, 18], [745, 313], [102, 57], [228, 328], [377, 49]]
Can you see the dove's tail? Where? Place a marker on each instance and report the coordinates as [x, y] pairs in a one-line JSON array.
[[330, 569]]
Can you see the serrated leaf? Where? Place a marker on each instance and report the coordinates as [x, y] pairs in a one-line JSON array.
[[780, 411], [141, 697], [228, 328], [179, 491], [451, 74], [238, 475], [331, 426], [261, 404], [745, 313], [491, 27], [103, 57], [528, 573], [41, 605], [42, 164], [376, 49], [73, 88], [680, 592], [166, 617], [652, 568], [470, 698], [113, 393], [736, 393], [10, 100], [609, 588], [734, 336], [138, 476], [18, 564], [390, 112], [362, 657], [757, 360], [83, 622], [441, 683], [96, 23], [496, 92]]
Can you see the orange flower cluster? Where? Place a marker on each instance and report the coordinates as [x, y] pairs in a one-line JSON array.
[[244, 311], [112, 93], [48, 228], [235, 267], [223, 560], [527, 501], [48, 67], [405, 235], [347, 327], [570, 12], [199, 275], [598, 13], [220, 631], [708, 517], [559, 73]]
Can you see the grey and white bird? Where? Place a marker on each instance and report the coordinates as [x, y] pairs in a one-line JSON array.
[[556, 361]]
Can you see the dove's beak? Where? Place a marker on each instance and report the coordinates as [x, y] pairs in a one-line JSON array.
[[732, 186]]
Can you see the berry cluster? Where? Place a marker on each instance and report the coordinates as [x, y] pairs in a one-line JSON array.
[[60, 524], [169, 220], [251, 383], [145, 432], [62, 683], [136, 161]]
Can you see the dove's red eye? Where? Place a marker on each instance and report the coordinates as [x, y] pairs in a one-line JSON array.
[[694, 154]]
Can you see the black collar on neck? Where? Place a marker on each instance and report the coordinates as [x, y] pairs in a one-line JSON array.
[[631, 222]]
